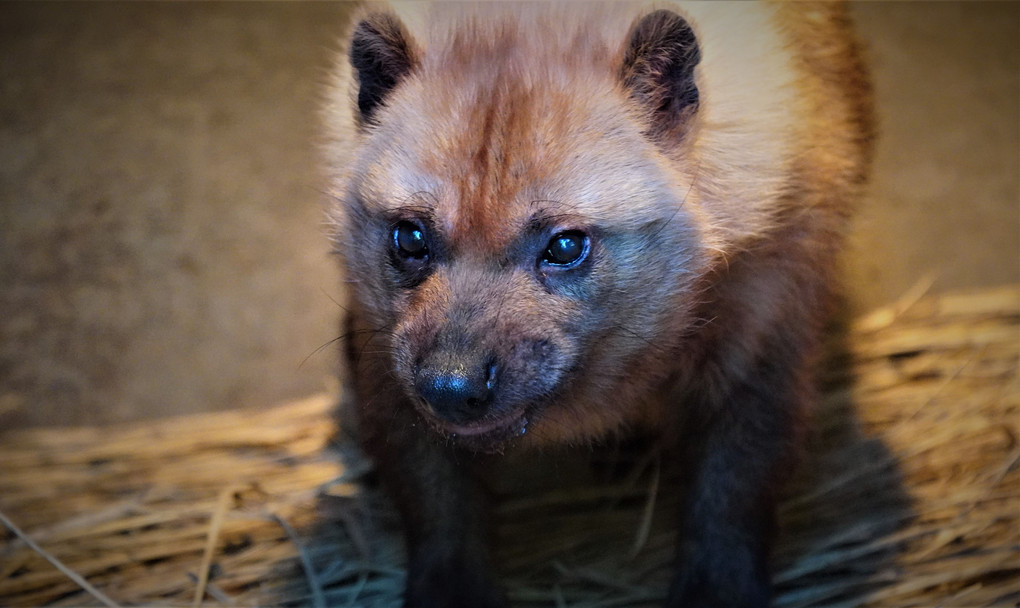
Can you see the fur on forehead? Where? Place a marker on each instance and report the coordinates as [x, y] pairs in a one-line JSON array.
[[517, 113], [593, 187]]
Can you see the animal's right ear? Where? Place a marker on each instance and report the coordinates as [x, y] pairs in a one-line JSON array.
[[659, 62], [382, 53]]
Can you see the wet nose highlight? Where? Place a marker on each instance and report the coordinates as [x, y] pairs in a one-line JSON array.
[[457, 393]]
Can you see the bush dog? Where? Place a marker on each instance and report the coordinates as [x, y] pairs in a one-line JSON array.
[[562, 223]]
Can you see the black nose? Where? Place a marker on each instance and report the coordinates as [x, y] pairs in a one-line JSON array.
[[457, 393]]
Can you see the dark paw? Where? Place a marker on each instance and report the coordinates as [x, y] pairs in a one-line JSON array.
[[719, 577], [448, 585]]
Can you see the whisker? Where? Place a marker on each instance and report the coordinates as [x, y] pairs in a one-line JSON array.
[[333, 300], [334, 341], [319, 350], [676, 212]]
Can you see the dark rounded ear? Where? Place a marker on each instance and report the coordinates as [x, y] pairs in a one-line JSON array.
[[382, 53], [658, 70]]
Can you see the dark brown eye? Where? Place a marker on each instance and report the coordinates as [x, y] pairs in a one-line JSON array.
[[409, 240], [566, 249]]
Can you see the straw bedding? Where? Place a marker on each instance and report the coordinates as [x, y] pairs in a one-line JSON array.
[[909, 495]]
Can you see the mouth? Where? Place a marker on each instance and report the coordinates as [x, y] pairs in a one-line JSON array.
[[484, 435]]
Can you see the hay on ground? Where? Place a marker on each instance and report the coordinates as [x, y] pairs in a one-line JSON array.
[[909, 496]]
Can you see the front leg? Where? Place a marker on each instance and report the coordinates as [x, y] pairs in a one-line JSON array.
[[444, 514], [739, 452]]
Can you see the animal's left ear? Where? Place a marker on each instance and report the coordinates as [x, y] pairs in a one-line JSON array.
[[659, 59]]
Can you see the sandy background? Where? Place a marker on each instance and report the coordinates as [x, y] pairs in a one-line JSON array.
[[161, 240]]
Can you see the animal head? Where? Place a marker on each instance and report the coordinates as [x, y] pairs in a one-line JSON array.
[[517, 217]]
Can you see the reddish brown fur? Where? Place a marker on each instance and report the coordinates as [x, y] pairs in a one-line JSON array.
[[712, 170]]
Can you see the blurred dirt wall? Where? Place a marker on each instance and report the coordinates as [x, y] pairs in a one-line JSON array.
[[162, 248]]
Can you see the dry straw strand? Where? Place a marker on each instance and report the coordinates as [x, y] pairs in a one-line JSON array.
[[71, 574]]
